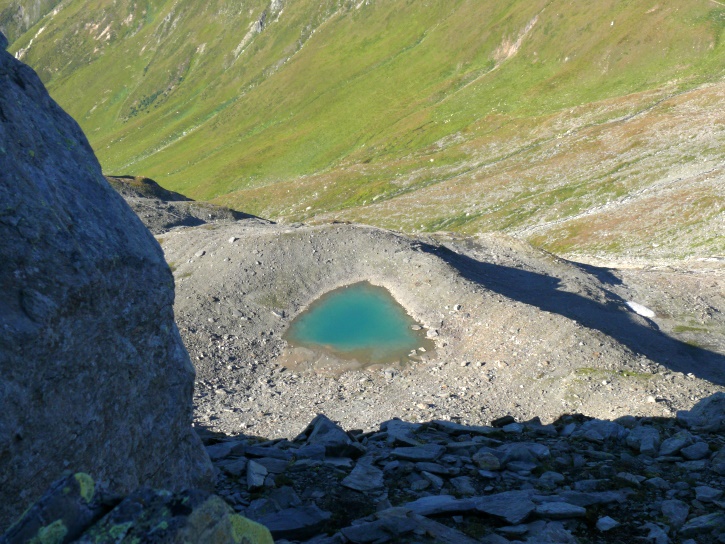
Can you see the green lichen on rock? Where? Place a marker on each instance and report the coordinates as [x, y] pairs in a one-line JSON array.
[[245, 531], [86, 484], [61, 514], [117, 532], [54, 533]]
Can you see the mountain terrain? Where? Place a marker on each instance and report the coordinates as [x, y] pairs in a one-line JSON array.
[[590, 130], [522, 335]]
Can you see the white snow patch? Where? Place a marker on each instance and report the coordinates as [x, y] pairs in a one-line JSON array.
[[639, 309]]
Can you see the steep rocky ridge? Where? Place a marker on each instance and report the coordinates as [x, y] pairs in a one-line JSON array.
[[518, 331], [95, 377]]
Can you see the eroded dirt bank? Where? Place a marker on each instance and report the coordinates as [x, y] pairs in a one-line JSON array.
[[518, 331]]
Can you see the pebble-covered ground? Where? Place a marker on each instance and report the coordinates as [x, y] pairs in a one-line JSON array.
[[518, 331]]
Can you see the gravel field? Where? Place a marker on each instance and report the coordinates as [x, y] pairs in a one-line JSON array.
[[518, 331]]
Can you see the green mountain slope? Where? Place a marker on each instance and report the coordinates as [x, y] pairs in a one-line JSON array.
[[545, 118], [17, 16]]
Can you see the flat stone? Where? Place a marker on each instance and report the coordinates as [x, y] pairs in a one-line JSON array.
[[456, 428], [658, 483], [310, 451], [552, 532], [441, 504], [708, 415], [284, 497], [234, 467], [696, 451], [339, 462], [701, 525], [295, 523], [463, 485], [256, 474], [718, 462], [551, 478], [435, 481], [513, 428], [511, 506], [606, 524], [704, 493], [221, 450], [365, 476], [676, 512], [594, 498], [372, 531], [693, 466], [419, 484], [436, 468], [597, 430], [400, 433], [656, 535], [486, 460], [529, 452], [442, 534], [591, 485], [514, 530], [675, 443], [631, 480], [265, 451], [521, 467], [427, 452], [489, 475], [274, 466], [644, 439], [560, 510]]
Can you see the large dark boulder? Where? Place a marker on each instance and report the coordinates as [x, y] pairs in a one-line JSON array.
[[93, 374]]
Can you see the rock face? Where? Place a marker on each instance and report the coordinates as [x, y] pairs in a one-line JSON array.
[[95, 377]]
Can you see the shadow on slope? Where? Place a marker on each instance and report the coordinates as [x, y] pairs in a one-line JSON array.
[[639, 334], [161, 209]]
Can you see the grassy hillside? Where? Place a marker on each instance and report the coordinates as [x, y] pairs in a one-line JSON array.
[[556, 120], [17, 16]]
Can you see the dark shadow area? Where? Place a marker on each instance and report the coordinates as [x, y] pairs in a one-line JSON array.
[[637, 333], [330, 483], [604, 275]]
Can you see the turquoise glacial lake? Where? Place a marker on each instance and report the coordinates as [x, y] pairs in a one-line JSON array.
[[360, 321]]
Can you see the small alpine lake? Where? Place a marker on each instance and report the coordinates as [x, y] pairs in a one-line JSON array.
[[360, 322]]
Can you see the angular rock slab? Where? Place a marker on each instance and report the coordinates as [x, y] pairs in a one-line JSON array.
[[560, 510], [297, 523], [707, 415], [511, 506], [324, 432], [428, 452], [365, 477], [95, 377]]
